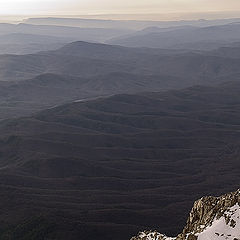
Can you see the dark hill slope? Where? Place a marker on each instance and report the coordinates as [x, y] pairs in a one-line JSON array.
[[86, 60], [47, 90], [21, 67], [107, 168], [20, 43], [111, 52]]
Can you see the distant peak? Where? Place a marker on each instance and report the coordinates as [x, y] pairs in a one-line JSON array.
[[82, 44]]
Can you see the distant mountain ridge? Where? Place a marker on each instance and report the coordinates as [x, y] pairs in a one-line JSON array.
[[84, 59], [74, 33], [183, 38], [132, 24], [81, 70]]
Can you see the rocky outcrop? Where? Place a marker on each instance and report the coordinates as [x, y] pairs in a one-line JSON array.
[[149, 235], [211, 218]]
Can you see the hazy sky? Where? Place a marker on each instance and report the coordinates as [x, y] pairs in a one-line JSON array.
[[67, 7]]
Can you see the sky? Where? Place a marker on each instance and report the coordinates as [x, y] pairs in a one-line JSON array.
[[74, 7]]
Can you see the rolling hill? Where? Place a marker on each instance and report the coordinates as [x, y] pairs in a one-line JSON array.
[[47, 90], [82, 70], [76, 59], [113, 166]]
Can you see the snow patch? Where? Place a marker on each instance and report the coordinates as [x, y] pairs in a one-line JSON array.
[[226, 227]]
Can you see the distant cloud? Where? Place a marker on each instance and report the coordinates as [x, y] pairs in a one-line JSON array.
[[46, 7]]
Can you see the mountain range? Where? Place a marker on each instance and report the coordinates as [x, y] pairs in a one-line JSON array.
[[123, 24], [82, 70], [116, 165], [185, 37], [43, 34], [101, 141], [27, 38]]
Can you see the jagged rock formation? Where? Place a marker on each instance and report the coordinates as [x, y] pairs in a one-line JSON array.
[[151, 235], [211, 218]]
